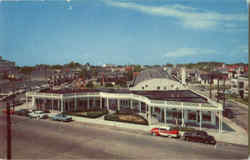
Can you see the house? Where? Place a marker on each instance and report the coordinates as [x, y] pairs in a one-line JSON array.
[[240, 86], [216, 77]]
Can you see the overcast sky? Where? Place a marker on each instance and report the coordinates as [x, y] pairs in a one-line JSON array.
[[123, 31]]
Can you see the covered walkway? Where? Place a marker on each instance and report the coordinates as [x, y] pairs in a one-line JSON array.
[[180, 107]]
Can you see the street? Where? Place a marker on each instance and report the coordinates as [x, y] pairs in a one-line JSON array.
[[46, 139], [240, 113]]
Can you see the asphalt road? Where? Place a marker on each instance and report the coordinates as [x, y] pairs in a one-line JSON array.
[[46, 139]]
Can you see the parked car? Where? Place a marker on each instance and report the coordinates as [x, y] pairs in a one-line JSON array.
[[38, 115], [168, 131], [199, 136], [62, 117], [22, 112]]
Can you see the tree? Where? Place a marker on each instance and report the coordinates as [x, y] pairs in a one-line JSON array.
[[90, 84], [27, 70], [84, 74], [108, 85], [137, 68], [169, 65]]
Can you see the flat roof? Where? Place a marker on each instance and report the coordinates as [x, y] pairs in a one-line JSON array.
[[170, 95]]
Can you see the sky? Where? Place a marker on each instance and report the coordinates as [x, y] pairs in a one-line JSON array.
[[145, 32]]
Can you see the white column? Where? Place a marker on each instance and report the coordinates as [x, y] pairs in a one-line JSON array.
[[118, 104], [131, 103], [58, 105], [165, 116], [149, 114], [160, 114], [200, 118], [186, 115], [101, 102], [33, 101], [52, 104], [221, 121], [62, 109], [182, 116], [75, 103], [213, 119], [107, 103], [88, 103], [140, 106]]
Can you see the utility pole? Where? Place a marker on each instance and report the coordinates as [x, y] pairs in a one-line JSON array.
[[8, 132], [210, 85], [218, 89]]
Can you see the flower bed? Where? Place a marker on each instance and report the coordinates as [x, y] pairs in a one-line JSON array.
[[128, 118], [90, 114]]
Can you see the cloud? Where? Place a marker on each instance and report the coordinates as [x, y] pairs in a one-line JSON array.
[[189, 16], [243, 49], [186, 52]]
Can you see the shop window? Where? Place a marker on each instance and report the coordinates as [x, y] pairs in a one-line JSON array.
[[191, 116], [206, 117]]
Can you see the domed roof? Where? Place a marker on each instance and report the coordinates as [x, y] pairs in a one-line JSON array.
[[151, 74]]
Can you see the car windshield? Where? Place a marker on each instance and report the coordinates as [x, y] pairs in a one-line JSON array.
[[61, 115]]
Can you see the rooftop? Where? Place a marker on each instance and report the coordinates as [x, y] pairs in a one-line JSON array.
[[171, 95], [150, 74]]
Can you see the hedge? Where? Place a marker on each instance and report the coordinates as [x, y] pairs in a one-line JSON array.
[[115, 117], [91, 114]]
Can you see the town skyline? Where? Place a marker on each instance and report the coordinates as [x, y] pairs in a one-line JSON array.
[[124, 32]]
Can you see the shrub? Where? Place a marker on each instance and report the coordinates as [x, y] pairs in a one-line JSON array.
[[116, 117], [91, 114], [111, 117]]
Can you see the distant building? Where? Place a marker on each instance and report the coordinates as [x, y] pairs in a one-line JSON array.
[[6, 66], [240, 86], [41, 75], [216, 77], [155, 79]]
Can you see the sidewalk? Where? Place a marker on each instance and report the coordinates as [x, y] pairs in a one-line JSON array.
[[238, 103], [234, 137]]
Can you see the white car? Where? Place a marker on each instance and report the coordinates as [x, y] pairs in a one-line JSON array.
[[38, 115]]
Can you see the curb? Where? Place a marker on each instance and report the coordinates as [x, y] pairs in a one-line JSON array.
[[238, 103]]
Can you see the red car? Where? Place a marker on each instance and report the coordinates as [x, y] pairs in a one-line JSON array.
[[168, 132], [5, 111]]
